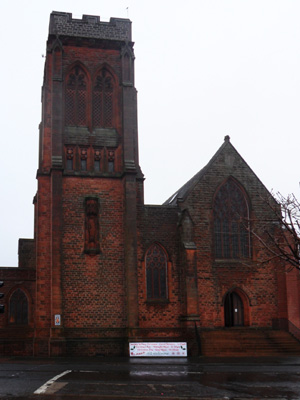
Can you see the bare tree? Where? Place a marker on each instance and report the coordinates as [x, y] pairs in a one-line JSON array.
[[281, 235]]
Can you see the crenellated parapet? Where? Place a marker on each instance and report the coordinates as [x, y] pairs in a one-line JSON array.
[[89, 26]]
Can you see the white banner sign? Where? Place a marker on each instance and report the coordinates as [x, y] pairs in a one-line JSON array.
[[158, 349]]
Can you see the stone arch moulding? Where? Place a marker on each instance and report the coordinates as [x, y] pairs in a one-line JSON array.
[[25, 290], [158, 244], [80, 65], [239, 185], [245, 301], [71, 111], [109, 68], [115, 118], [164, 277]]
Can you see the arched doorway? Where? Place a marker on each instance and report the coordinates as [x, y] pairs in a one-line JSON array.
[[18, 308], [234, 310]]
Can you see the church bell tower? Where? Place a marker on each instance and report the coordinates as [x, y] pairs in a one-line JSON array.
[[89, 186]]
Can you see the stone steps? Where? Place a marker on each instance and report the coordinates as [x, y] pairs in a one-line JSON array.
[[248, 342]]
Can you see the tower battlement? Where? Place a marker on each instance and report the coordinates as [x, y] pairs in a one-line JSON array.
[[89, 26]]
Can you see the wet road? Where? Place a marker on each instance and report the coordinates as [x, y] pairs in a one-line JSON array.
[[104, 378]]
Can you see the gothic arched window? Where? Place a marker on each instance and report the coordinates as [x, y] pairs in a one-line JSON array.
[[18, 308], [156, 273], [103, 95], [231, 218], [76, 98]]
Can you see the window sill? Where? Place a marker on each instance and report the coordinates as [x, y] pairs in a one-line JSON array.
[[157, 301], [92, 251], [231, 260]]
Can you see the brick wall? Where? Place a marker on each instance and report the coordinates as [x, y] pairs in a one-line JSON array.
[[258, 281], [93, 284], [158, 224]]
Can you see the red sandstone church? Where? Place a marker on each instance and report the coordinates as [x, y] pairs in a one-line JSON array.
[[104, 269]]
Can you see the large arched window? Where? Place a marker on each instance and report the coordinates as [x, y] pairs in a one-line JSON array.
[[76, 98], [103, 94], [18, 308], [156, 273], [231, 218]]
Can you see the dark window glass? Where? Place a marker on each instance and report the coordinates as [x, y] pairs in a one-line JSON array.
[[111, 166], [83, 165], [156, 273], [97, 165], [18, 308], [231, 218], [69, 165], [69, 157], [163, 283], [83, 159], [111, 160], [97, 158]]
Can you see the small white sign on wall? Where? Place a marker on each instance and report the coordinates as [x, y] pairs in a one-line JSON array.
[[158, 349], [57, 320]]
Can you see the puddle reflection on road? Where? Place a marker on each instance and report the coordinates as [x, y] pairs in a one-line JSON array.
[[232, 384]]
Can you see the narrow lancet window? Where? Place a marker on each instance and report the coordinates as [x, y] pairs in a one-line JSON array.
[[111, 160], [156, 273], [69, 158], [83, 159], [97, 159]]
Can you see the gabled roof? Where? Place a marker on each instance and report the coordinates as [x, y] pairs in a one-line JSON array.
[[183, 192]]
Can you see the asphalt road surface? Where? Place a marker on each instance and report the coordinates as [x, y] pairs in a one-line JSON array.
[[150, 378]]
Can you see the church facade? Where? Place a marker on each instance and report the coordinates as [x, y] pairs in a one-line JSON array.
[[103, 268]]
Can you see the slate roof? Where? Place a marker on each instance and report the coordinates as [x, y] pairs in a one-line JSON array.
[[183, 192]]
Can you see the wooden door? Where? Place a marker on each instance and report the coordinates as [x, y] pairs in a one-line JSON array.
[[234, 310]]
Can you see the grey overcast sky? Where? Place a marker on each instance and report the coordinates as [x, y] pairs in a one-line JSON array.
[[204, 69]]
